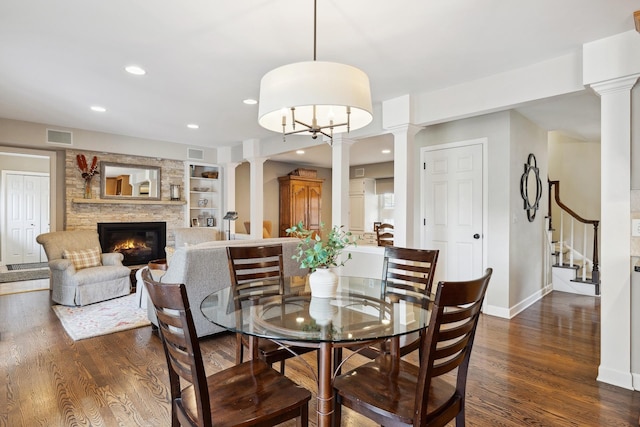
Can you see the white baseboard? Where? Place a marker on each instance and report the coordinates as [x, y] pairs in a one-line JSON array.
[[494, 310], [635, 378], [614, 377], [509, 313]]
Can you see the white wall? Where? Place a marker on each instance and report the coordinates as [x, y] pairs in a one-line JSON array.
[[576, 164], [635, 138], [549, 78], [33, 135], [517, 279], [375, 170], [527, 277]]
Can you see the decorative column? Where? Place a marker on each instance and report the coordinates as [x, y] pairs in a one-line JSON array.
[[615, 310], [405, 161], [340, 181], [256, 193], [229, 183], [251, 150]]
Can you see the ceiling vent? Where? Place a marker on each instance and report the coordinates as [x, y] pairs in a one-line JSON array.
[[195, 154], [59, 137], [359, 173]]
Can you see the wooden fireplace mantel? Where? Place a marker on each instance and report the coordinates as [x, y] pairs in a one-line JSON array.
[[126, 202]]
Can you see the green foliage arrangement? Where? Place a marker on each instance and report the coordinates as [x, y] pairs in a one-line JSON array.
[[314, 252]]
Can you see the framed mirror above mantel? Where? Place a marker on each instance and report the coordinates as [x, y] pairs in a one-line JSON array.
[[129, 182]]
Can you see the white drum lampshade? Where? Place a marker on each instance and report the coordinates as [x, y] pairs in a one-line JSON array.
[[332, 88]]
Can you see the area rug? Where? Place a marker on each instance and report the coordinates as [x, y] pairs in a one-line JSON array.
[[26, 266], [22, 275], [102, 318]]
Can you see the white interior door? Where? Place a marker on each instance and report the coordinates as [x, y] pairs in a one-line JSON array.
[[453, 210], [45, 212], [25, 195]]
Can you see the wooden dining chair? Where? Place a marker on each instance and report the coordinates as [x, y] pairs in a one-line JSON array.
[[392, 391], [384, 234], [407, 274], [251, 393], [259, 271]]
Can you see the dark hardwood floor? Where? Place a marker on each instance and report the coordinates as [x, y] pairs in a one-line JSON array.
[[538, 369]]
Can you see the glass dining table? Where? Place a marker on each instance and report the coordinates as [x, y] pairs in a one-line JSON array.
[[362, 312]]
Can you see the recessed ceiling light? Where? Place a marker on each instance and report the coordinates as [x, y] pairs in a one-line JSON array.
[[386, 151], [250, 101], [299, 151], [193, 126], [135, 70], [98, 109]]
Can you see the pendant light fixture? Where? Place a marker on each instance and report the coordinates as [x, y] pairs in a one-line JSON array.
[[314, 97]]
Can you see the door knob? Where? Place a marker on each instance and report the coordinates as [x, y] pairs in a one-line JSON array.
[[476, 236]]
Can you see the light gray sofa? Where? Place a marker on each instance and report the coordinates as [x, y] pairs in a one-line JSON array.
[[204, 269], [194, 235]]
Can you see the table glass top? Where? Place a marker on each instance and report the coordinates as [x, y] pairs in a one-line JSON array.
[[358, 312]]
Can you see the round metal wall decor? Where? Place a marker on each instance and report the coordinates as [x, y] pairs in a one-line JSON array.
[[531, 187]]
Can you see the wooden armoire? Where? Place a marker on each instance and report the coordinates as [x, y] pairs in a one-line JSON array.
[[300, 200]]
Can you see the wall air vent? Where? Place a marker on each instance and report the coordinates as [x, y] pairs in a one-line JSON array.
[[59, 137], [195, 154], [359, 172]]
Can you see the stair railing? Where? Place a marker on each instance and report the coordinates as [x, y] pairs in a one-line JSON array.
[[554, 187]]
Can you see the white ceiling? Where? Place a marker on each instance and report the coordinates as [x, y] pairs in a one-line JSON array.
[[203, 57]]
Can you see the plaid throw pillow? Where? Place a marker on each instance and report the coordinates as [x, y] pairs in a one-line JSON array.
[[83, 259]]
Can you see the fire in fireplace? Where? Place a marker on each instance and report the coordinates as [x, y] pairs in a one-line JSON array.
[[138, 242]]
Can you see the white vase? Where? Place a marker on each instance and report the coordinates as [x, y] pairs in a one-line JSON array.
[[321, 310], [323, 283]]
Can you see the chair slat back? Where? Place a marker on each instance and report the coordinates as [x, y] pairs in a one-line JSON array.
[[256, 270], [449, 339], [179, 339], [409, 272], [384, 234]]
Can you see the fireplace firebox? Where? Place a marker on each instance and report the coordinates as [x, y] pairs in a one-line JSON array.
[[138, 242]]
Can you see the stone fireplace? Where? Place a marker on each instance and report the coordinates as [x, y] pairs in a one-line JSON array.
[[86, 216], [138, 242]]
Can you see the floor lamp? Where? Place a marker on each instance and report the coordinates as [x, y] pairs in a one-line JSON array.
[[230, 216]]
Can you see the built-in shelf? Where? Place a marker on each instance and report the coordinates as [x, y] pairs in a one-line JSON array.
[[204, 199], [127, 202]]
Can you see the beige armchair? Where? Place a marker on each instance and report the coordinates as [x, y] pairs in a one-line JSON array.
[[80, 273]]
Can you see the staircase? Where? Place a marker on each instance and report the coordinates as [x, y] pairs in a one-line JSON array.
[[574, 277], [574, 266]]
